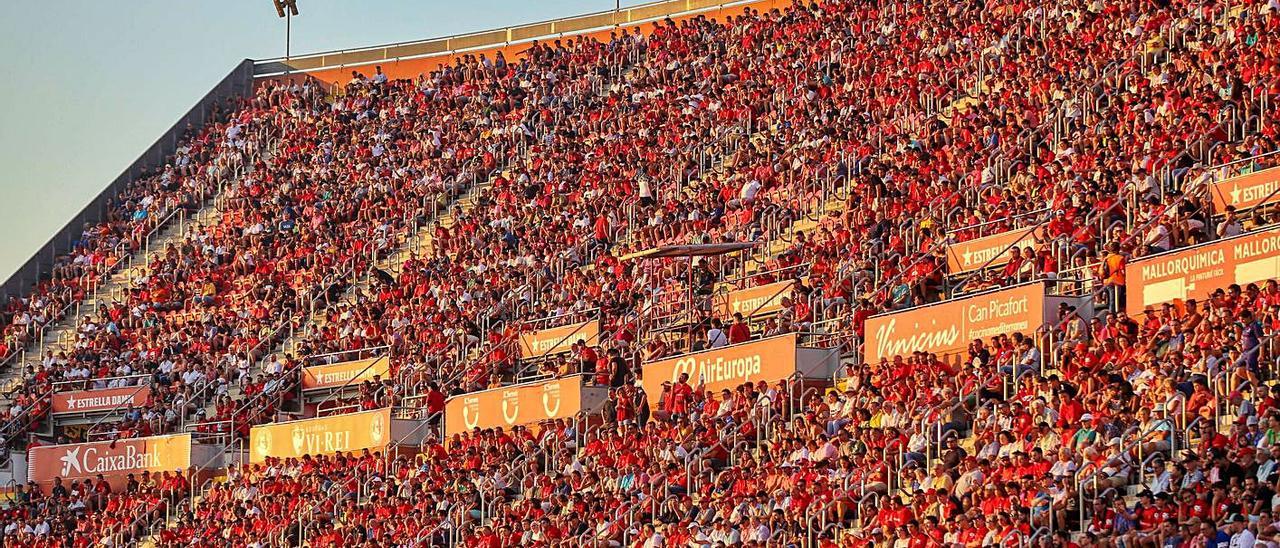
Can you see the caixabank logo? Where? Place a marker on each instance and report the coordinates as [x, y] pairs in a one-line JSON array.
[[113, 460]]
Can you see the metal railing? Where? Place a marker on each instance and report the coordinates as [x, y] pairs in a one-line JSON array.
[[508, 36]]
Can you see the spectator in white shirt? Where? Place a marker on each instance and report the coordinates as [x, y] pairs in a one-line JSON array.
[[716, 336]]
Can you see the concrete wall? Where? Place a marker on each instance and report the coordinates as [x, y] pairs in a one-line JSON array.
[[409, 59], [239, 82]]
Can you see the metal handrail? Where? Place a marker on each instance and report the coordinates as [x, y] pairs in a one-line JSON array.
[[388, 46], [63, 386], [127, 404], [342, 389]]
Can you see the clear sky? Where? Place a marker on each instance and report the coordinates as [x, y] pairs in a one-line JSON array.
[[90, 84]]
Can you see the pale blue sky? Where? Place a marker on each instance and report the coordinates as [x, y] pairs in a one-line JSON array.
[[90, 84]]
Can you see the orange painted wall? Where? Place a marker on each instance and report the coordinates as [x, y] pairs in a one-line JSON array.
[[411, 68]]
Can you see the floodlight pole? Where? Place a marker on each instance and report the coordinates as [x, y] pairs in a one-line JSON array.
[[287, 9]]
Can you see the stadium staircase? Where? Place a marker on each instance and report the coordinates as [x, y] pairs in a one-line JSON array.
[[420, 243], [1087, 489], [830, 200], [63, 337], [830, 197], [60, 336]]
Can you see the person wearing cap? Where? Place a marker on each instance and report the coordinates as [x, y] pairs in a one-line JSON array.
[[1086, 435], [878, 537], [1241, 535]]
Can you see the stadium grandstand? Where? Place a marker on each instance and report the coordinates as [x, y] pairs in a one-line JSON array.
[[759, 273]]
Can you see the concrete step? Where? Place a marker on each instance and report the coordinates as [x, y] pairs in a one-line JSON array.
[[421, 242], [63, 335]]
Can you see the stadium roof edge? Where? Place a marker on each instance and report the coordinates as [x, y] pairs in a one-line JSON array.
[[237, 83], [506, 36]]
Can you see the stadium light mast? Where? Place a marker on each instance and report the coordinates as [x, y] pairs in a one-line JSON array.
[[286, 9]]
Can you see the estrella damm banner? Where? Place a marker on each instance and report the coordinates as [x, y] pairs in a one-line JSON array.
[[105, 399], [754, 301], [558, 340], [339, 374], [1247, 191], [989, 251]]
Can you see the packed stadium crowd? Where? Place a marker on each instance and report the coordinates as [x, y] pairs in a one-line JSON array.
[[891, 129], [206, 161]]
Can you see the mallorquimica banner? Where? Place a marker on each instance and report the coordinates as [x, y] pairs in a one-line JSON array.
[[1195, 272], [321, 435]]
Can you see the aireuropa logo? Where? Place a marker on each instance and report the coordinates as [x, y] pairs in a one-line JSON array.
[[717, 368], [768, 360]]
